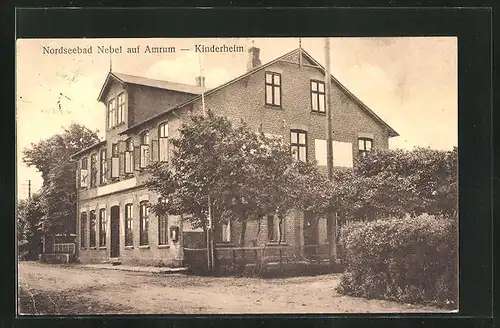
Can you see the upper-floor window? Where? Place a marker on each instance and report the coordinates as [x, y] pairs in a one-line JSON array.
[[84, 173], [298, 144], [163, 142], [273, 89], [102, 227], [120, 117], [111, 113], [93, 170], [365, 145], [318, 96], [104, 167], [115, 161], [144, 223], [144, 149], [129, 156]]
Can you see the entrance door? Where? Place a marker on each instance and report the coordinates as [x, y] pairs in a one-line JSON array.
[[115, 231], [310, 235]]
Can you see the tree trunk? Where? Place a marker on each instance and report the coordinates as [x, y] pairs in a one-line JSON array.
[[242, 233], [280, 227]]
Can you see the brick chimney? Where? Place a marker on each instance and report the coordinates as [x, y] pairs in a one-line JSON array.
[[253, 58], [200, 81]]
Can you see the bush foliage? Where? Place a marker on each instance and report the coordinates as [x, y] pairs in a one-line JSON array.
[[410, 259], [391, 183]]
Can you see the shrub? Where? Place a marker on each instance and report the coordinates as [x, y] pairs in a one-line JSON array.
[[410, 259]]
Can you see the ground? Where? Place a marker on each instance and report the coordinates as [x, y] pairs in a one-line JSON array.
[[73, 289]]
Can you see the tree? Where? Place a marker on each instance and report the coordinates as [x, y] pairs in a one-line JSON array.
[[244, 173], [30, 214], [389, 183], [52, 158]]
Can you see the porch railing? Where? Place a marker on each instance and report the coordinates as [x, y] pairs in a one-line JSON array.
[[64, 248]]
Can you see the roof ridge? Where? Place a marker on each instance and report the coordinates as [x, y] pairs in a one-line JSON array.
[[148, 78]]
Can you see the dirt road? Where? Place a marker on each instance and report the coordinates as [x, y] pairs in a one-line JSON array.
[[70, 290]]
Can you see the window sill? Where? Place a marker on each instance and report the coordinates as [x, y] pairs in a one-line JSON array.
[[83, 248], [163, 246], [102, 247], [275, 243], [92, 248], [274, 106], [144, 247], [129, 247], [318, 113]]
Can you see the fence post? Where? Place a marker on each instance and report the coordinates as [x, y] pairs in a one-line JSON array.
[[281, 260], [232, 257]]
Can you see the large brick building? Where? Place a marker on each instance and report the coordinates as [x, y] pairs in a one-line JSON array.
[[285, 97]]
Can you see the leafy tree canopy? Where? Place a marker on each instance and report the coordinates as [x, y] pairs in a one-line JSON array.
[[395, 182], [52, 158], [244, 173]]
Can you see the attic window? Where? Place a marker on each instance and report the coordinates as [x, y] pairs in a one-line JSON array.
[[273, 89], [121, 109], [111, 113]]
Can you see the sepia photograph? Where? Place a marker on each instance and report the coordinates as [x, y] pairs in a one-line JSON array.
[[237, 175]]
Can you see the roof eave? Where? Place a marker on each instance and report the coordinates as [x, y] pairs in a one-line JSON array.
[[106, 82], [72, 157], [392, 132]]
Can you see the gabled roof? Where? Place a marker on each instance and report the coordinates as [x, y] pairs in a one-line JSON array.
[[299, 51], [137, 80]]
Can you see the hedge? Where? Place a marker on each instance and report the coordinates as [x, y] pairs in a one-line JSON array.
[[410, 259]]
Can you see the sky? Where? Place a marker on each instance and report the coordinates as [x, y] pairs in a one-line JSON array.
[[410, 82]]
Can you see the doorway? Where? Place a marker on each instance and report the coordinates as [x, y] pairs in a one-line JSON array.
[[115, 231], [310, 235]]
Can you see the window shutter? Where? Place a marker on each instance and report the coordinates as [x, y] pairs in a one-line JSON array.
[[154, 150], [115, 167], [137, 157], [128, 162], [121, 161], [108, 169], [77, 175]]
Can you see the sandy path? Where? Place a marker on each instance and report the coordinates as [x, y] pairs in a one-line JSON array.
[[111, 291]]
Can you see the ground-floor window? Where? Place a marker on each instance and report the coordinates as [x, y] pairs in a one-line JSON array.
[[275, 229], [129, 232], [162, 229], [83, 229], [92, 228], [144, 223], [222, 232], [102, 227]]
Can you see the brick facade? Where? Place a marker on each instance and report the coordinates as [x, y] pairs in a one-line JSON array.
[[242, 99]]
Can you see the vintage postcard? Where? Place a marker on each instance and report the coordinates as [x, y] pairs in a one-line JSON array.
[[237, 175]]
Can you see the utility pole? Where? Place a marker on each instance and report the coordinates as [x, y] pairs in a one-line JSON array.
[[210, 242], [329, 149], [29, 188]]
